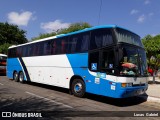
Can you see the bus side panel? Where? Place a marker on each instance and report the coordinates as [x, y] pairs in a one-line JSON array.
[[51, 70], [95, 84], [79, 64], [99, 83], [13, 64], [107, 84]]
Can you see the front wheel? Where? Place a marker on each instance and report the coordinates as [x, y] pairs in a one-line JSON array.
[[78, 88]]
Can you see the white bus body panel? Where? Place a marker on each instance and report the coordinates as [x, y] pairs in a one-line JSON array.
[[53, 70]]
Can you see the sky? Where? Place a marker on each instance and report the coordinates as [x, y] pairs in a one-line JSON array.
[[44, 16]]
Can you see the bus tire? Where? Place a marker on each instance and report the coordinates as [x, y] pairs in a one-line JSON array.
[[78, 88], [21, 77], [15, 76]]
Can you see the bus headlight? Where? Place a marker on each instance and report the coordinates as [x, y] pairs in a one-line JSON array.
[[129, 84]]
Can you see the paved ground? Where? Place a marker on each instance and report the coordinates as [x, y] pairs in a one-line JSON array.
[[32, 97], [153, 91]]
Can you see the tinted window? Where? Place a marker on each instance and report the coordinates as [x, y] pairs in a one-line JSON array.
[[128, 37], [108, 61], [19, 52], [53, 47], [24, 51], [94, 61], [47, 48], [40, 48], [78, 43], [73, 42], [64, 46], [12, 53], [85, 42], [58, 48], [100, 38], [30, 50]]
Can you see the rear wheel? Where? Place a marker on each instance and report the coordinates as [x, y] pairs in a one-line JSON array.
[[15, 76], [21, 77], [78, 88]]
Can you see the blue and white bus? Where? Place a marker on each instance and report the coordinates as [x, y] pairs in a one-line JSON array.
[[104, 60]]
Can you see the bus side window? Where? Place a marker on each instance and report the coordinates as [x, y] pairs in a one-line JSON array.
[[30, 50], [64, 45], [24, 51], [53, 47], [94, 61], [108, 61], [100, 38], [19, 52], [73, 44], [85, 41], [47, 48]]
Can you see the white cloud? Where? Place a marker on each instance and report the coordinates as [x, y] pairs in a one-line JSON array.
[[54, 26], [134, 11], [141, 19], [146, 2], [20, 19]]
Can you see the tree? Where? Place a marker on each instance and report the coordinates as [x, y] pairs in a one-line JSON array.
[[152, 47], [4, 48], [72, 28], [9, 35], [45, 35]]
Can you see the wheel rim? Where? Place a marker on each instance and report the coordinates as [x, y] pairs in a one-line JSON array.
[[21, 77], [78, 87], [15, 76]]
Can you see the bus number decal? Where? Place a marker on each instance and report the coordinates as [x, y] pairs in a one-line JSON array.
[[113, 87], [97, 80]]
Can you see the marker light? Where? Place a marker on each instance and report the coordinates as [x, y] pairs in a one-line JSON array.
[[124, 85]]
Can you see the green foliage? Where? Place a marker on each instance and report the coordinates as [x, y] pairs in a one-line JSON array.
[[4, 48], [9, 35], [45, 35], [72, 28], [152, 47]]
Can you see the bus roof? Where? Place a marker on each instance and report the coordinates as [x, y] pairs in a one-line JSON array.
[[71, 33]]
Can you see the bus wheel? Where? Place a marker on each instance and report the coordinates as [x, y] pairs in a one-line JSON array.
[[21, 77], [78, 88], [15, 76]]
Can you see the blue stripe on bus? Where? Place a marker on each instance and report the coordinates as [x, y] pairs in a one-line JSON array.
[[104, 87], [15, 65], [26, 75]]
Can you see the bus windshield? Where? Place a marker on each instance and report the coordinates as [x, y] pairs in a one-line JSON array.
[[132, 61], [128, 37]]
